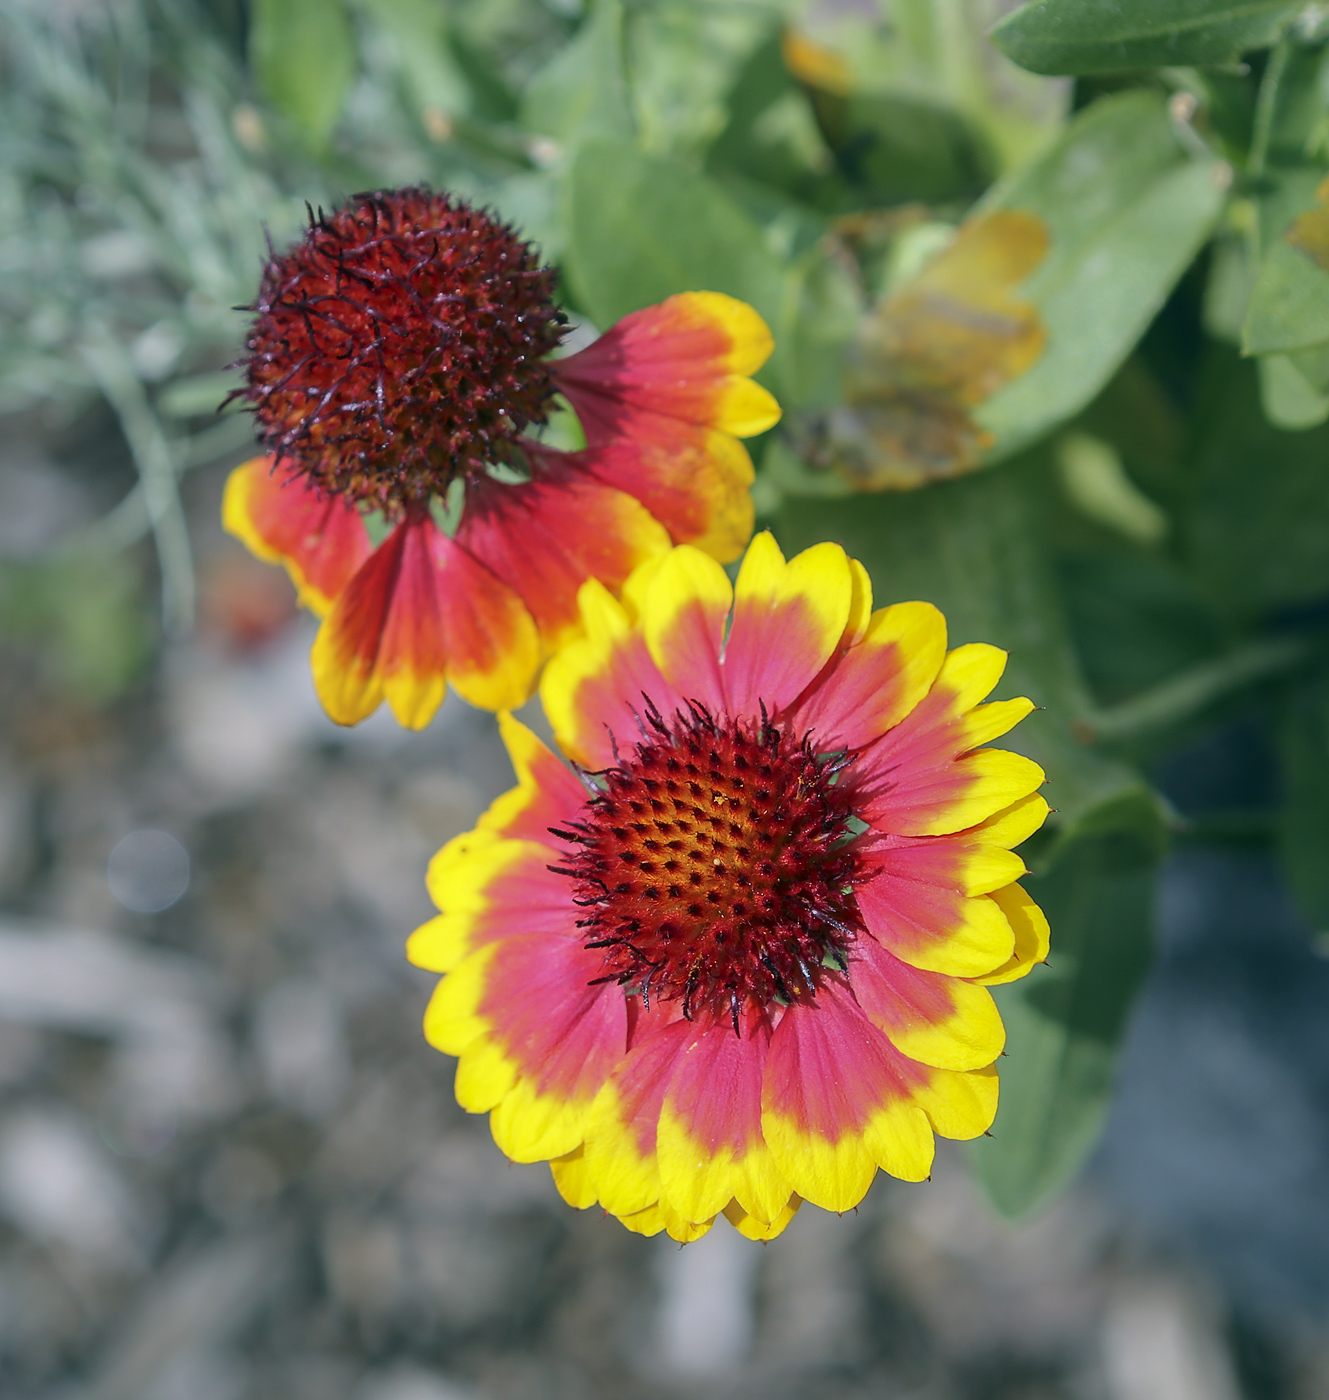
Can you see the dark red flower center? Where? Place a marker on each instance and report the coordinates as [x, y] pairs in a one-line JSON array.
[[715, 866], [399, 346]]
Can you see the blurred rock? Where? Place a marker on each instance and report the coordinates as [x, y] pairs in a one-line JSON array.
[[301, 1043], [440, 805], [159, 1009], [707, 1303], [364, 1259], [983, 1284], [21, 1051], [408, 1383], [381, 858], [1219, 1137], [176, 1334], [238, 1182], [17, 847], [812, 1305], [1160, 1343], [239, 725], [58, 1186]]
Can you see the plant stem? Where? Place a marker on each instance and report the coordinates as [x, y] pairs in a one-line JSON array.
[[108, 361], [1182, 695], [1266, 102]]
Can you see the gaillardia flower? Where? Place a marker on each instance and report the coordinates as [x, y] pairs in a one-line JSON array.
[[738, 956], [399, 357]]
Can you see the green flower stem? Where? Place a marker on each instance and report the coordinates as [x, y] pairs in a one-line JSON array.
[[122, 526], [127, 522], [1183, 695], [108, 362], [1266, 103]]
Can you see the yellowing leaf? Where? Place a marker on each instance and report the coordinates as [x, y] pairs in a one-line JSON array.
[[934, 349], [1310, 231], [815, 64]]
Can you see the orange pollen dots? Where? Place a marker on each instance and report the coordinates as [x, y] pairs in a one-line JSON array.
[[400, 345], [716, 866]]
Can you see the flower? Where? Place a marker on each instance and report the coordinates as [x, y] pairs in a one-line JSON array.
[[738, 955], [398, 359]]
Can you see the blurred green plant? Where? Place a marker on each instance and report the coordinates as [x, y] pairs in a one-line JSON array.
[[1143, 518]]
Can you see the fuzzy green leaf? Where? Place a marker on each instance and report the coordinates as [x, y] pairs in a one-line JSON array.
[[419, 29], [1127, 210], [1065, 1020], [303, 55], [1107, 36], [642, 228], [582, 91], [1255, 532], [1289, 304]]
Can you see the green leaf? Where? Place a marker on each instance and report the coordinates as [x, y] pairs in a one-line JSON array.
[[1289, 106], [1144, 422], [1065, 1020], [88, 617], [1127, 211], [1288, 399], [771, 135], [419, 29], [1313, 366], [492, 97], [1137, 620], [643, 227], [1107, 36], [946, 53], [683, 60], [894, 148], [1227, 291], [582, 91], [1303, 741], [1098, 485], [1289, 304], [303, 56], [975, 548], [1288, 308], [821, 310], [1256, 531]]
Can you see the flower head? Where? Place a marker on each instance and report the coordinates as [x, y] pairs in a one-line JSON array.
[[737, 957], [399, 357], [399, 346]]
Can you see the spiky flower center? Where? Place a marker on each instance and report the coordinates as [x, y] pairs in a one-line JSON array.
[[399, 346], [716, 866]]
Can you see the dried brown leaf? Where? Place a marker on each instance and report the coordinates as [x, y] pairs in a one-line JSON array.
[[935, 349]]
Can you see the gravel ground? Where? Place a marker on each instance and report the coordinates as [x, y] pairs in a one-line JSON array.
[[231, 1169]]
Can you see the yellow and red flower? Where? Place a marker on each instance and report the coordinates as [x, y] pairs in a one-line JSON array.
[[737, 956], [398, 359]]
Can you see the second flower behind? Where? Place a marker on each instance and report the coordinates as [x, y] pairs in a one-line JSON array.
[[399, 358]]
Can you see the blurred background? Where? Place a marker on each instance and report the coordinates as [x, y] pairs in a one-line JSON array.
[[230, 1167]]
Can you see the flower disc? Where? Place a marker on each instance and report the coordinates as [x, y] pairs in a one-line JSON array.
[[715, 866], [399, 345]]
